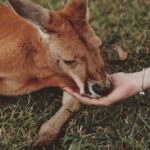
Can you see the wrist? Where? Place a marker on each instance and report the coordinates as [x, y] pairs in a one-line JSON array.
[[137, 81], [141, 80], [146, 82]]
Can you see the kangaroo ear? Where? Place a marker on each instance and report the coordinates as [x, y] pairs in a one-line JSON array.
[[31, 11], [76, 11]]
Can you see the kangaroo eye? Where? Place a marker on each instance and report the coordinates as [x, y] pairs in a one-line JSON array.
[[69, 62]]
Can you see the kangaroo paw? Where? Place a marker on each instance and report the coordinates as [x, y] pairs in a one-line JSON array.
[[47, 134]]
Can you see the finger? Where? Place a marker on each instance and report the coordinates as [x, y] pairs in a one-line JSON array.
[[89, 101], [104, 101], [76, 95], [68, 90]]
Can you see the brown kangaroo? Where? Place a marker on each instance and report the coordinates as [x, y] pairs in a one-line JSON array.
[[39, 49]]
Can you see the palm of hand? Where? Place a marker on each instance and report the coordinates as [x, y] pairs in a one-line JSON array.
[[123, 87]]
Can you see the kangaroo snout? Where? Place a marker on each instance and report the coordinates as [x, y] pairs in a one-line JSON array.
[[98, 89]]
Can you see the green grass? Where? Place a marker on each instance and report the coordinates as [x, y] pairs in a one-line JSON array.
[[123, 126]]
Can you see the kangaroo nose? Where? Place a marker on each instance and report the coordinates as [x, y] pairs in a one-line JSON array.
[[102, 90], [98, 89]]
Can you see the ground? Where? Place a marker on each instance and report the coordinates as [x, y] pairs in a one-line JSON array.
[[123, 126]]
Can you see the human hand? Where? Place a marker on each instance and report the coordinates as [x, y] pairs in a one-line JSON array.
[[124, 86]]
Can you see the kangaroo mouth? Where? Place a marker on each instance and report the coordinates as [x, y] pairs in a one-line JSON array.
[[94, 89]]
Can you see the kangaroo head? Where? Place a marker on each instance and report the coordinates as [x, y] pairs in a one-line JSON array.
[[73, 46]]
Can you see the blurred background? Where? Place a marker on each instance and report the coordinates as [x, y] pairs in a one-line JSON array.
[[124, 27]]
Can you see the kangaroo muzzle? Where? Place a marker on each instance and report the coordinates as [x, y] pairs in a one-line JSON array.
[[98, 89]]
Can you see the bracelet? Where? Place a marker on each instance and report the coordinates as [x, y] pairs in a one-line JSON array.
[[142, 93]]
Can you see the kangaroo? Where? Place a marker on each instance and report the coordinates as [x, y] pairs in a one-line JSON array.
[[40, 48]]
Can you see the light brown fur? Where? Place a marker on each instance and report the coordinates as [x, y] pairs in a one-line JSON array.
[[24, 66], [29, 61]]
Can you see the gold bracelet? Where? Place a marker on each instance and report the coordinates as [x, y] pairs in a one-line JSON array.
[[142, 93]]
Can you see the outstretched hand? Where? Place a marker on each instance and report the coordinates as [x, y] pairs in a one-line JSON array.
[[124, 86]]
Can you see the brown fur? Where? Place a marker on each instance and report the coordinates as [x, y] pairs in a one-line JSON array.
[[29, 62], [23, 57]]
